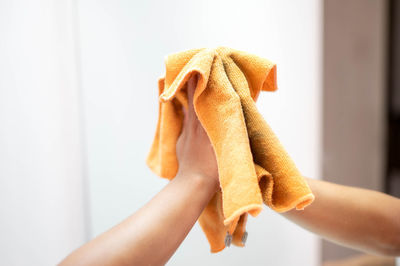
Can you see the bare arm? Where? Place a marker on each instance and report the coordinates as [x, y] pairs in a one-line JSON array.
[[358, 218], [151, 235]]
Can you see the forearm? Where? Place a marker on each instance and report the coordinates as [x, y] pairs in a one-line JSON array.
[[152, 234], [358, 218]]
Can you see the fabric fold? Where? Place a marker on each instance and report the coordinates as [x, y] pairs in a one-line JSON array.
[[253, 166]]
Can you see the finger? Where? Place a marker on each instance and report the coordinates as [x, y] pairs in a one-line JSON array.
[[192, 83], [185, 116]]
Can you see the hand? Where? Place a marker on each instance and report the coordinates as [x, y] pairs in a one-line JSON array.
[[135, 239], [194, 150]]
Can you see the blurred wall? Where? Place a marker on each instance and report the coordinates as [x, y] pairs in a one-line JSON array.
[[123, 44], [354, 107], [41, 171]]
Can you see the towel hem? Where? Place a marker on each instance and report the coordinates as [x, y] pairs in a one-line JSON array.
[[299, 204], [253, 209], [217, 250]]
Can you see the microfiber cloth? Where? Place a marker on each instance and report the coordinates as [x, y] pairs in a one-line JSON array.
[[253, 166]]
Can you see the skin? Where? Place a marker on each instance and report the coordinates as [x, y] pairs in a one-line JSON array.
[[361, 219], [151, 235]]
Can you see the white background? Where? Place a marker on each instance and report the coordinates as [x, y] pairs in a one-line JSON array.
[[78, 98], [123, 44], [42, 206]]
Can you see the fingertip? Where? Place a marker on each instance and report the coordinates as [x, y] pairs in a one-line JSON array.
[[191, 87]]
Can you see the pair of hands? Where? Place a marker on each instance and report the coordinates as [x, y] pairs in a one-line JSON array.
[[194, 150]]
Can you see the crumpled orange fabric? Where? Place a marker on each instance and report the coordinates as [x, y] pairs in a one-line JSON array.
[[253, 166]]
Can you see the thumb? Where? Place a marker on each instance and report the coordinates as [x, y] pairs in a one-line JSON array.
[[191, 87]]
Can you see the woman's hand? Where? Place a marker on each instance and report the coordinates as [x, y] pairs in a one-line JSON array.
[[151, 235], [195, 153]]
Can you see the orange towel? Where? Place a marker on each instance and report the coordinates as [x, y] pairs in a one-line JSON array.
[[252, 164]]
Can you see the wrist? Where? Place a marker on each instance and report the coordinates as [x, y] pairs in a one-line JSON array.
[[198, 180]]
